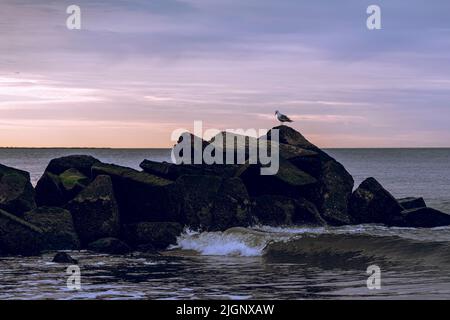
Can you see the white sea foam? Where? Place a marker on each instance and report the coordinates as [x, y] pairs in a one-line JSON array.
[[232, 242]]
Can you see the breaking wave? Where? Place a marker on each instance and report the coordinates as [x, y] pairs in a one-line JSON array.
[[335, 246]]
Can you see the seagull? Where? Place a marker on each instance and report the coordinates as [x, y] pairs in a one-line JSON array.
[[281, 117]]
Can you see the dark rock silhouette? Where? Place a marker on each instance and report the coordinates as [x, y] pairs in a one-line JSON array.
[[423, 218], [276, 210], [141, 196], [371, 203], [412, 203], [16, 191], [63, 257], [18, 237], [81, 163], [149, 236], [57, 227], [95, 211]]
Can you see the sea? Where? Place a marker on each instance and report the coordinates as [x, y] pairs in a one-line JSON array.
[[262, 262]]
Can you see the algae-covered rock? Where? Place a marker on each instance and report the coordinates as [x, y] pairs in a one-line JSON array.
[[57, 226], [142, 196], [95, 211], [18, 237], [16, 191], [81, 163]]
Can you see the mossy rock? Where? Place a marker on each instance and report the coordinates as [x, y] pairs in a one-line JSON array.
[[16, 191], [95, 211], [18, 237], [82, 163], [57, 226], [214, 203], [142, 196]]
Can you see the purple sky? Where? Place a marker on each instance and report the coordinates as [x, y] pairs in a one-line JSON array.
[[140, 69]]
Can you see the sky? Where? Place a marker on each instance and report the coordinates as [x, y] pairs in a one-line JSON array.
[[138, 70]]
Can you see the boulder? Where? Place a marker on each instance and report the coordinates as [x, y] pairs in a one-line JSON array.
[[232, 207], [142, 196], [214, 203], [48, 191], [63, 257], [290, 136], [16, 191], [371, 203], [57, 226], [412, 203], [109, 245], [199, 193], [288, 181], [81, 163], [18, 237], [424, 218], [335, 184], [173, 171], [57, 190], [95, 211], [275, 210], [72, 182], [157, 235], [192, 145]]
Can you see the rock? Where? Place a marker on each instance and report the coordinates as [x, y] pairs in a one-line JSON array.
[[57, 190], [48, 191], [57, 226], [73, 181], [173, 171], [187, 147], [412, 203], [82, 163], [275, 210], [288, 135], [142, 196], [424, 218], [233, 148], [63, 257], [335, 183], [110, 246], [158, 235], [95, 211], [199, 193], [214, 203], [18, 237], [371, 203], [16, 191], [336, 186], [288, 181], [231, 205]]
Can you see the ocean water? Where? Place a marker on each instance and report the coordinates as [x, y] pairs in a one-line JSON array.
[[261, 262]]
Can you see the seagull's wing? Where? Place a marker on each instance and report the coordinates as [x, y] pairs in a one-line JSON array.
[[284, 118]]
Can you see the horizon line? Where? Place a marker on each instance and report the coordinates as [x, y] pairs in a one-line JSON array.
[[168, 148]]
